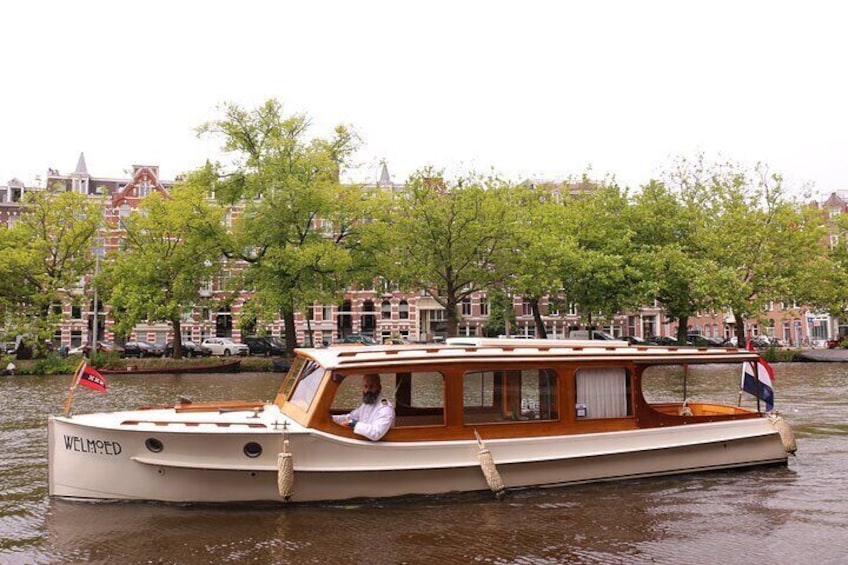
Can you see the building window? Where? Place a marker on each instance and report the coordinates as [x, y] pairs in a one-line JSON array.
[[526, 308], [466, 306], [368, 320], [484, 307], [403, 310], [386, 310]]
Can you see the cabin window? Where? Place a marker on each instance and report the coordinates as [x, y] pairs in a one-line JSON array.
[[418, 397], [603, 393], [306, 385], [511, 395]]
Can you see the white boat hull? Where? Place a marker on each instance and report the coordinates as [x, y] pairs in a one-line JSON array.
[[101, 456]]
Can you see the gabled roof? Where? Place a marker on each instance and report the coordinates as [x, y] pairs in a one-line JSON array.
[[141, 175], [835, 201]]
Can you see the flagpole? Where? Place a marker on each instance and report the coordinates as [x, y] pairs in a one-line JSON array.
[[72, 387], [756, 373]]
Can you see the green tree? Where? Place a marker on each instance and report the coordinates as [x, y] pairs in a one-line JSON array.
[[303, 236], [540, 245], [759, 240], [598, 272], [44, 257], [170, 250], [447, 236], [677, 273]]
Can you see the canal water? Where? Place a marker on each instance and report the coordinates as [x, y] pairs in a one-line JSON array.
[[797, 514]]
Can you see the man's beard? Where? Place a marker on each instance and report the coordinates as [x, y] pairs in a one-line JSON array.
[[370, 397]]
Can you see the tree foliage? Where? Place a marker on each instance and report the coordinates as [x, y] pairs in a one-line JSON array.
[[44, 258], [597, 271], [757, 241], [447, 236], [302, 233], [170, 250]]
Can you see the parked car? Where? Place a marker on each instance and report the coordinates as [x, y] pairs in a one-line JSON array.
[[762, 342], [102, 346], [593, 334], [143, 349], [634, 340], [394, 341], [263, 345], [699, 340], [190, 349], [359, 338], [225, 346], [663, 339], [78, 350]]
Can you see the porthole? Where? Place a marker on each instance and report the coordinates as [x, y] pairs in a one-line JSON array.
[[153, 445], [253, 449]]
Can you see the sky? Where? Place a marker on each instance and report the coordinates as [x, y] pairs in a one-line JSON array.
[[528, 89]]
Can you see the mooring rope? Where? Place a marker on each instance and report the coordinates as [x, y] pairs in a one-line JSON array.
[[487, 463]]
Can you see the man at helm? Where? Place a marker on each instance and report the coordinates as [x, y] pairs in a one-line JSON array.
[[376, 414]]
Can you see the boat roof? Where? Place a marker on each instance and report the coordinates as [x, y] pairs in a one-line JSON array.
[[473, 349]]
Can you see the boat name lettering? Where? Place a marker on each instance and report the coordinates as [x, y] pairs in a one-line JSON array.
[[96, 446]]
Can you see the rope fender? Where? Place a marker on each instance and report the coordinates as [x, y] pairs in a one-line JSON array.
[[787, 436], [285, 472], [490, 471]]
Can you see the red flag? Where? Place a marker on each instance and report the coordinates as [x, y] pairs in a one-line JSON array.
[[91, 378]]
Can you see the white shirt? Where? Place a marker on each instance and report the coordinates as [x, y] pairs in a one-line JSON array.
[[373, 420]]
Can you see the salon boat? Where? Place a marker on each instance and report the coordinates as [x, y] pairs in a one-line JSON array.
[[471, 415]]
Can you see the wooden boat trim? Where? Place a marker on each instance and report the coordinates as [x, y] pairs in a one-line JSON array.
[[557, 352]]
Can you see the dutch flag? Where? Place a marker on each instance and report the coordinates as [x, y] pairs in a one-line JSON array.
[[757, 379]]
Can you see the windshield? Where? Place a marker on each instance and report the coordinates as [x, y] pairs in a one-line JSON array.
[[307, 385]]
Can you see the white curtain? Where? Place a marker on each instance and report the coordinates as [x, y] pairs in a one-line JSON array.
[[603, 392]]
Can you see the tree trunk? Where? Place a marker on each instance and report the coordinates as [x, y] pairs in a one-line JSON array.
[[178, 339], [741, 338], [682, 329], [541, 332], [451, 317], [291, 336]]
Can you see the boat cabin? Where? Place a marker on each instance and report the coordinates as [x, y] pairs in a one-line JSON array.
[[501, 388]]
